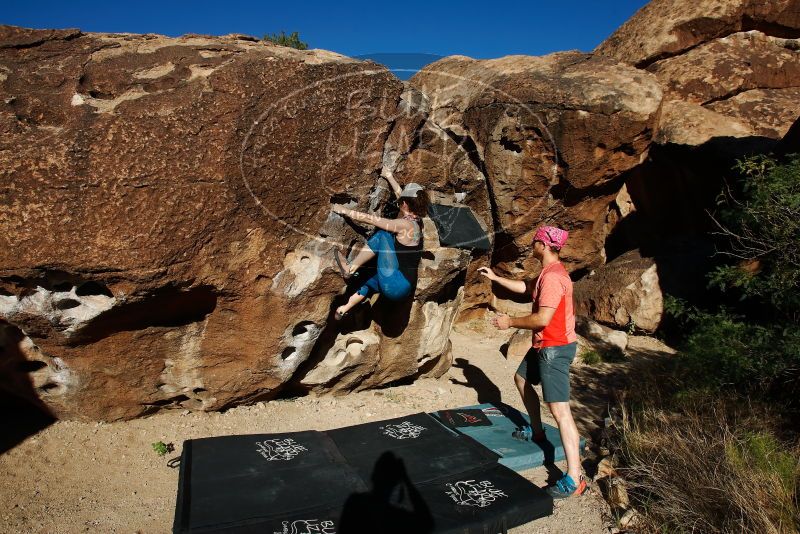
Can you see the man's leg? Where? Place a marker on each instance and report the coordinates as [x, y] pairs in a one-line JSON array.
[[569, 437], [531, 401]]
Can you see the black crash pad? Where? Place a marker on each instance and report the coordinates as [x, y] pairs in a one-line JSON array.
[[233, 483], [429, 450], [458, 227], [409, 474]]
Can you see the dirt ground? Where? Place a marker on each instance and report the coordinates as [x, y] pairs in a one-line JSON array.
[[105, 477]]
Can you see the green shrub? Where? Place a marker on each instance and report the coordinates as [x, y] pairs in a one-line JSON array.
[[756, 348], [591, 357], [609, 355], [725, 350], [162, 448], [292, 40], [708, 469], [760, 226]]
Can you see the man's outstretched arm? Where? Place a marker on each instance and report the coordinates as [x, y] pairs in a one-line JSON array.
[[517, 286], [535, 321]]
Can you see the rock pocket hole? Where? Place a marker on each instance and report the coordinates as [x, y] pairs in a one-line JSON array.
[[302, 328], [508, 144], [166, 402], [48, 387], [197, 391], [62, 287], [93, 288], [288, 352], [354, 346], [30, 366], [67, 304], [305, 259]]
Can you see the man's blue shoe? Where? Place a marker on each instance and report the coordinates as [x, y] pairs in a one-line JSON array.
[[566, 487], [526, 433]]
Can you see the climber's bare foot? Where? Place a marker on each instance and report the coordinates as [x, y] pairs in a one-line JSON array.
[[344, 266]]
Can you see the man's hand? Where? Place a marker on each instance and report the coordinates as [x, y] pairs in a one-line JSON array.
[[501, 321], [338, 208], [488, 273]]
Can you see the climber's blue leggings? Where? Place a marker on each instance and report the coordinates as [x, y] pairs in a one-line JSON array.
[[388, 281]]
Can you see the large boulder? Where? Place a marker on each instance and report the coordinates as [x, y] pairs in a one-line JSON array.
[[730, 71], [665, 28], [742, 84], [384, 341], [446, 164], [166, 229], [625, 293], [552, 136]]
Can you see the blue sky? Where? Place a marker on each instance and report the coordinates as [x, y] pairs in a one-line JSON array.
[[481, 29]]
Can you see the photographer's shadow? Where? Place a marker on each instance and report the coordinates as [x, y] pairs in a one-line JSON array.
[[392, 506]]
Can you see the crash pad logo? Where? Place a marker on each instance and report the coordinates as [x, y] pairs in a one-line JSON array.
[[404, 430], [493, 412], [308, 526], [279, 449], [471, 419], [471, 493]]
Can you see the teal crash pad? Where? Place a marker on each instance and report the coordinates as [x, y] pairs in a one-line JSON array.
[[514, 453]]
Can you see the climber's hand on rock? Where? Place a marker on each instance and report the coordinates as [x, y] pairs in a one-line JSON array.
[[488, 273], [338, 208], [501, 321]]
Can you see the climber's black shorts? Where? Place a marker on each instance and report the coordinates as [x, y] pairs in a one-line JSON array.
[[550, 367]]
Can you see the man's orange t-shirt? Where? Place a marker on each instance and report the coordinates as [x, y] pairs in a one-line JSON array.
[[553, 289]]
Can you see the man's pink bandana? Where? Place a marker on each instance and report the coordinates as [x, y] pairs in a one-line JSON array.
[[552, 236]]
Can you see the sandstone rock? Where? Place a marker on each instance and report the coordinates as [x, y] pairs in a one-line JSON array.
[[664, 28], [387, 341], [605, 468], [167, 235], [624, 293], [768, 112], [431, 156], [519, 344], [629, 519], [722, 68], [552, 135], [686, 123], [618, 494], [599, 336], [748, 78]]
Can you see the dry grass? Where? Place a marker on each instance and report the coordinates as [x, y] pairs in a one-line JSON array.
[[708, 470]]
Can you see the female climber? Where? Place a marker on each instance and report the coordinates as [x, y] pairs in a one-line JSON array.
[[397, 245]]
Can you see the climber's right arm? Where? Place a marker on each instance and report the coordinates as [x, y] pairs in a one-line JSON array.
[[393, 183], [390, 225], [517, 286]]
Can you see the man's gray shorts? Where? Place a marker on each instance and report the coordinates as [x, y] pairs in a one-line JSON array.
[[550, 366]]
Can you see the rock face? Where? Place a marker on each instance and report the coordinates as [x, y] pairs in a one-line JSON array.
[[165, 203], [728, 67], [625, 293], [166, 218], [551, 135], [730, 72], [665, 28]]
